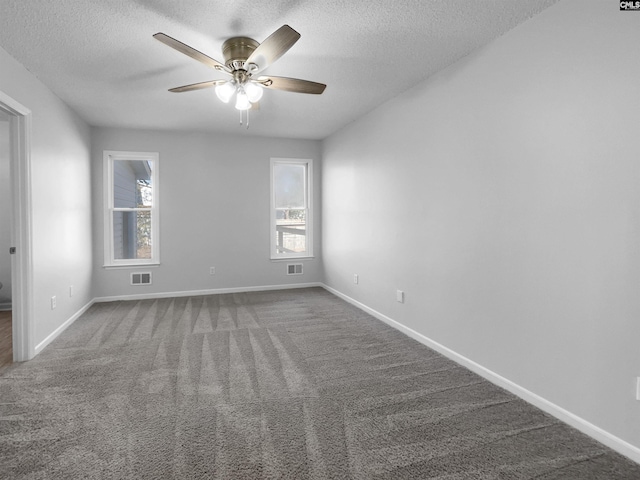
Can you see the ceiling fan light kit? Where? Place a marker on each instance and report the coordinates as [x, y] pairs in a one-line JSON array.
[[243, 58]]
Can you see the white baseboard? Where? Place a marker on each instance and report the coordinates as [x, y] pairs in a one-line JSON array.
[[53, 335], [215, 291], [630, 451]]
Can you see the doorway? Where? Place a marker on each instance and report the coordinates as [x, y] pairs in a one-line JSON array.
[[15, 230], [6, 337]]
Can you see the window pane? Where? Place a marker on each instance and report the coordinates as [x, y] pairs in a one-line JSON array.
[[131, 235], [289, 186], [291, 231], [132, 186]]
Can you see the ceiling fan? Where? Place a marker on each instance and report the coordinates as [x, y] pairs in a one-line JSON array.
[[244, 59]]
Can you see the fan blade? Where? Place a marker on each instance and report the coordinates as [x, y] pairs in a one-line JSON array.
[[191, 52], [292, 85], [273, 47], [196, 86]]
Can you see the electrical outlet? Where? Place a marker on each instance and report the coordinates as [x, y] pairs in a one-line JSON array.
[[53, 302], [400, 296], [70, 290], [355, 278], [212, 270]]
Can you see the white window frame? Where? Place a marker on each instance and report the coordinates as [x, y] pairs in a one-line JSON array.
[[308, 163], [109, 157]]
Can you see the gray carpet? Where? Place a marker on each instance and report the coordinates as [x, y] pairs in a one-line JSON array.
[[291, 384]]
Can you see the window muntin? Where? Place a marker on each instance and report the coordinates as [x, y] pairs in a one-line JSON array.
[[131, 219], [291, 208]]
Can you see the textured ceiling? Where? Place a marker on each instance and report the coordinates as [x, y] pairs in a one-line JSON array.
[[100, 58]]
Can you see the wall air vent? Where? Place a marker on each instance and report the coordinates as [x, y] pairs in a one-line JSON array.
[[294, 269], [141, 278]]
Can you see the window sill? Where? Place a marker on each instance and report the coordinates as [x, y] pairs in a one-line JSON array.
[[292, 259], [131, 265]]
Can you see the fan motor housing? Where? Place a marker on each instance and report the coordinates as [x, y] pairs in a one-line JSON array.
[[236, 50]]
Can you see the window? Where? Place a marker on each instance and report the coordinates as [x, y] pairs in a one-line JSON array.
[[291, 220], [131, 213]]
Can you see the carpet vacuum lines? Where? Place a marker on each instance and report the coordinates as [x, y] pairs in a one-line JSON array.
[[290, 384]]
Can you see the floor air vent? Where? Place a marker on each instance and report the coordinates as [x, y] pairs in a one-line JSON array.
[[141, 278], [294, 269]]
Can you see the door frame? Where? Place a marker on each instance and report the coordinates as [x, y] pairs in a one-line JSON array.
[[21, 231]]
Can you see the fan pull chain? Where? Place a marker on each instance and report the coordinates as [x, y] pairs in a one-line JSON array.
[[241, 118]]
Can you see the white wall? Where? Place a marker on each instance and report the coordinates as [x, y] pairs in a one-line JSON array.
[[503, 196], [5, 212], [61, 199], [214, 211]]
